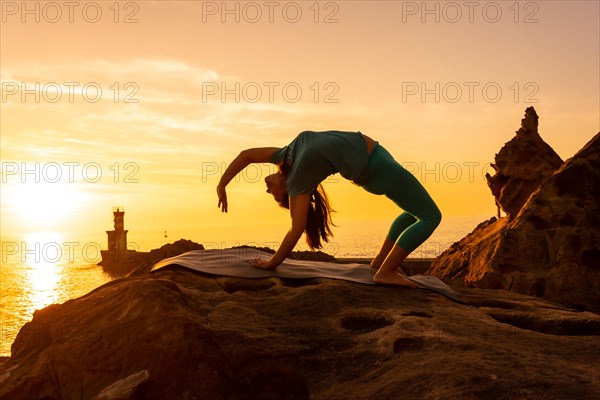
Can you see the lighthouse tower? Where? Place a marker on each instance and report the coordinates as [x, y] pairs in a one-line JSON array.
[[117, 238]]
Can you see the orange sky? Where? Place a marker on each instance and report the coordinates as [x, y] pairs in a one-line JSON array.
[[160, 151]]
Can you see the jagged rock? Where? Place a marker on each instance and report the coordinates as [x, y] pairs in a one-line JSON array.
[[469, 258], [521, 166], [550, 248], [558, 231], [203, 337]]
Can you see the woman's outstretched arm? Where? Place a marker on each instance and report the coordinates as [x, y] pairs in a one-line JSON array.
[[298, 211], [246, 157]]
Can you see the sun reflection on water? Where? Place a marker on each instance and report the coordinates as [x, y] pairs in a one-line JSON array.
[[40, 269], [44, 264]]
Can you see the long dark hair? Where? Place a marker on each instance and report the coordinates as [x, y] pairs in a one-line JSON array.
[[319, 212]]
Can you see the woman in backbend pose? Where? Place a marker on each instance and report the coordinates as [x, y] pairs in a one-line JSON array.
[[313, 156]]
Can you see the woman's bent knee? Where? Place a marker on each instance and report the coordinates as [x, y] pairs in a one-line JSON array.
[[435, 217]]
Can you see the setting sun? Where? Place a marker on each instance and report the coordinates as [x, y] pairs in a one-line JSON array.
[[44, 205]]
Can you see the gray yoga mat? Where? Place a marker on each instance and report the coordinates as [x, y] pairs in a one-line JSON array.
[[233, 262]]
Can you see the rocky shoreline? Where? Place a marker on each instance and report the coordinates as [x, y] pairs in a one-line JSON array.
[[181, 334]]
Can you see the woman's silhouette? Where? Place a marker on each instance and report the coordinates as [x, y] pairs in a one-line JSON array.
[[313, 156]]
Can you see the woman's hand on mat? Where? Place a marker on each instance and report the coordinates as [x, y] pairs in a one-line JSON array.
[[222, 198], [261, 263]]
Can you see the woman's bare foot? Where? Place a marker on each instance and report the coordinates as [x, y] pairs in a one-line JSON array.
[[394, 278]]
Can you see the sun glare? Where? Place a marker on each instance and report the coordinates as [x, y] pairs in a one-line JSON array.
[[43, 206]]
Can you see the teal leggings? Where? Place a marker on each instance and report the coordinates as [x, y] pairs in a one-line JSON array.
[[421, 215]]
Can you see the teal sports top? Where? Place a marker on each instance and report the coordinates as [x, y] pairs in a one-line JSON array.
[[316, 155]]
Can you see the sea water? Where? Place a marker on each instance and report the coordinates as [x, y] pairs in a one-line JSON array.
[[46, 268]]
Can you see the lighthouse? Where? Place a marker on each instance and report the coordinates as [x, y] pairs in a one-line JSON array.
[[117, 238], [118, 260]]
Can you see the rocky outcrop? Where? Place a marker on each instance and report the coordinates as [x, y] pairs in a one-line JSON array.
[[521, 166], [134, 262], [555, 239], [173, 249], [551, 246], [178, 334]]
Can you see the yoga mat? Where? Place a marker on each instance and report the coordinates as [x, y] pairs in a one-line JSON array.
[[233, 262]]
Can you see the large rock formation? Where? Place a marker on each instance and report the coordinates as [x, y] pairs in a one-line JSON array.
[[521, 166], [177, 334], [549, 246]]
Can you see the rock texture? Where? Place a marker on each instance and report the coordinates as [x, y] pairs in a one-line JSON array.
[[548, 247], [177, 334], [521, 166]]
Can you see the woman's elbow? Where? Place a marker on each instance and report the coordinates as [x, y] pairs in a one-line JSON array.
[[243, 154]]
